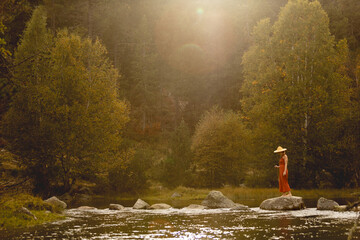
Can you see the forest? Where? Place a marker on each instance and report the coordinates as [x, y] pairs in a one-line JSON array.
[[125, 94]]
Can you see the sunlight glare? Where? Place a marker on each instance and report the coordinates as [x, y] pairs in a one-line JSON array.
[[195, 38], [199, 11]]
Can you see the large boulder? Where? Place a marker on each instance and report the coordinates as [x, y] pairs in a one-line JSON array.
[[140, 204], [215, 199], [160, 206], [116, 207], [283, 203], [326, 204], [58, 204]]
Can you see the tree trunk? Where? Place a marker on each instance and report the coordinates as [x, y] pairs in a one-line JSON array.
[[144, 122], [305, 137]]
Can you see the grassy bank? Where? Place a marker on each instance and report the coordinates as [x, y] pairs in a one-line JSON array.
[[11, 217]]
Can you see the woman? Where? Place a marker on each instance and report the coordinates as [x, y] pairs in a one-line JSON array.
[[283, 172]]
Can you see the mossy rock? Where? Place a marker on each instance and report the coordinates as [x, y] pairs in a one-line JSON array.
[[11, 215]]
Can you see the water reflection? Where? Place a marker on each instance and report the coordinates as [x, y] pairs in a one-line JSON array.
[[194, 224]]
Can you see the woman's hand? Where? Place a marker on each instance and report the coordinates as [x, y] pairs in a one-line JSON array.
[[284, 173], [276, 166]]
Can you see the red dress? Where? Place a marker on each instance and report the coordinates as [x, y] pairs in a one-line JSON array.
[[283, 180]]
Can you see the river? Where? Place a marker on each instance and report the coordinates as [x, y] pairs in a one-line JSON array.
[[178, 223]]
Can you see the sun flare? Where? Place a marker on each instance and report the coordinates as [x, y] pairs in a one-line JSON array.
[[195, 39]]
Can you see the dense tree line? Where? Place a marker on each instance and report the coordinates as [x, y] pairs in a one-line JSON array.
[[212, 87]]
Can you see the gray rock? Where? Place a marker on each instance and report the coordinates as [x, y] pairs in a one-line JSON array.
[[140, 204], [86, 208], [116, 207], [160, 206], [326, 204], [176, 195], [240, 207], [56, 202], [26, 211], [215, 199], [195, 206], [283, 203]]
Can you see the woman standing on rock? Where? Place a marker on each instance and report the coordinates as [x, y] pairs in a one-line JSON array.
[[283, 172]]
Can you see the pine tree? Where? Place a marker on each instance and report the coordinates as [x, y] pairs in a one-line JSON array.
[[144, 92]]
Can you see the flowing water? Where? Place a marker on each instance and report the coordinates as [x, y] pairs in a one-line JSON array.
[[194, 224]]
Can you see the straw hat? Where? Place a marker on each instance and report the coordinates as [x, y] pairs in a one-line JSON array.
[[280, 149]]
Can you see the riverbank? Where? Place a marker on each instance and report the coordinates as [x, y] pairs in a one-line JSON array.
[[12, 214], [238, 194]]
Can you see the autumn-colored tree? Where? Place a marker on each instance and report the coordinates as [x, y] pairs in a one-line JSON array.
[[220, 148], [296, 89], [65, 120]]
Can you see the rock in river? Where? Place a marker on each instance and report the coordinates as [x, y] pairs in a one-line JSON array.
[[160, 206], [56, 202], [86, 208], [240, 207], [283, 203], [215, 199], [326, 204], [195, 206], [116, 207], [140, 204]]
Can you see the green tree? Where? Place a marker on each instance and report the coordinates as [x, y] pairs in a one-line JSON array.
[[296, 91], [220, 149], [65, 120], [31, 57], [143, 80], [176, 169], [127, 174], [13, 16]]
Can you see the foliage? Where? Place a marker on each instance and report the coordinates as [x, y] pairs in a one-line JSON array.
[[71, 119], [3, 51], [128, 173], [295, 87], [12, 22], [176, 168], [220, 149], [144, 89], [178, 58]]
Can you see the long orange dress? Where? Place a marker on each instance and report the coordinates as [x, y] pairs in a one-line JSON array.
[[283, 180]]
